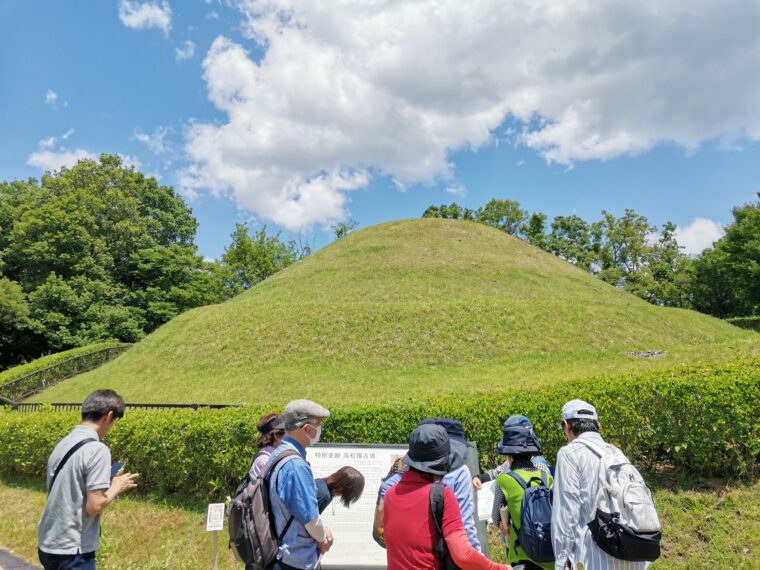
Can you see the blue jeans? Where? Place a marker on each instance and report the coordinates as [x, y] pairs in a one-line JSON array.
[[67, 561]]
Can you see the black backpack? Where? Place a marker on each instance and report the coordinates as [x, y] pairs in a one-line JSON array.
[[441, 550], [253, 537], [534, 534]]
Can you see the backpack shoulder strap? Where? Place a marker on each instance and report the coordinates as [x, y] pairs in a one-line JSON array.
[[594, 448], [519, 479], [436, 505], [274, 462], [69, 453], [283, 457]]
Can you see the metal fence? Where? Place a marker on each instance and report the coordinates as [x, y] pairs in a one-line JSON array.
[[76, 406], [30, 384]]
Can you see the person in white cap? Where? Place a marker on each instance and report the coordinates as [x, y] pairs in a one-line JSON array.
[[576, 484]]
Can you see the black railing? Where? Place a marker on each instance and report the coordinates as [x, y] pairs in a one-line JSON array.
[[76, 406], [29, 384]]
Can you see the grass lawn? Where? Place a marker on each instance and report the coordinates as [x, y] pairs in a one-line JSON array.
[[707, 524], [409, 308]]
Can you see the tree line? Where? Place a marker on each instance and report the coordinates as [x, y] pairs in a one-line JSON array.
[[101, 252], [630, 253]]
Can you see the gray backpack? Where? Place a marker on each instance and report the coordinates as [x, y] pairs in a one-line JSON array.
[[253, 538]]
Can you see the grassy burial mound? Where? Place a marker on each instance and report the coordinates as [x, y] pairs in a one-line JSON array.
[[409, 309]]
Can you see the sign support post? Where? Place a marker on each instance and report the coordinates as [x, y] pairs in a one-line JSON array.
[[215, 523]]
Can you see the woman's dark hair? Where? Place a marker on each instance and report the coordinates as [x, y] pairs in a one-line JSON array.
[[522, 457], [100, 402], [348, 483], [269, 435], [579, 426]]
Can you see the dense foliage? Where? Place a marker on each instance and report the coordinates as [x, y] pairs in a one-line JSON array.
[[701, 419], [101, 252], [629, 253]]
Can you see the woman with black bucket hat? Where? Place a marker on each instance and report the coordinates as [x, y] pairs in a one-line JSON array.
[[412, 535]]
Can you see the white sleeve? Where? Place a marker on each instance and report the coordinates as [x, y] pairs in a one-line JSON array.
[[317, 529], [565, 509]]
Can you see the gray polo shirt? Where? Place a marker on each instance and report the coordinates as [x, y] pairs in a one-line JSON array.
[[65, 527]]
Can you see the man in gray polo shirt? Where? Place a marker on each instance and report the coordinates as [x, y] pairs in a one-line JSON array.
[[80, 486]]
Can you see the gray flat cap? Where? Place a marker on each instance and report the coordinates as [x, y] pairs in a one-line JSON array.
[[299, 410]]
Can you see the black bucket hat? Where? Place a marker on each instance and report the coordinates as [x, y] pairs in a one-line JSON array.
[[429, 450], [518, 437], [456, 439]]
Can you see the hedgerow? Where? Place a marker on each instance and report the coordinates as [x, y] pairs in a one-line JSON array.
[[50, 360], [701, 419], [751, 323]]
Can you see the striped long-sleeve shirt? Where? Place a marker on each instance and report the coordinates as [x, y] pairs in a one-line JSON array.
[[576, 483]]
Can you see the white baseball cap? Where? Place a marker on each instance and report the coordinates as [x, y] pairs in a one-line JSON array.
[[579, 410]]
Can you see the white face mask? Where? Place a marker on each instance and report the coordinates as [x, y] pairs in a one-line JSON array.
[[315, 439]]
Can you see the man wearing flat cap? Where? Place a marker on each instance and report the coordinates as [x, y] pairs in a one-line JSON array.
[[292, 491]]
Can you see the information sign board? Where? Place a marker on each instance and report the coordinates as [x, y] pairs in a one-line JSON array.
[[352, 527], [215, 517]]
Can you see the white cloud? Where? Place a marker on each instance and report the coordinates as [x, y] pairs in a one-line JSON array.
[[51, 97], [456, 189], [133, 161], [155, 141], [49, 160], [699, 235], [348, 88], [187, 51], [141, 15], [50, 142]]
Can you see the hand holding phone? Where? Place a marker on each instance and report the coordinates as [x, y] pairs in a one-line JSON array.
[[115, 468]]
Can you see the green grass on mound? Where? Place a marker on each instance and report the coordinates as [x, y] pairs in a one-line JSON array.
[[406, 309]]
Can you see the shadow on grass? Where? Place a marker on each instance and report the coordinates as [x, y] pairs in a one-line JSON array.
[[666, 477], [662, 476], [188, 504]]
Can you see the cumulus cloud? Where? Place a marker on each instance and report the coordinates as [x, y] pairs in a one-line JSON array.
[[129, 160], [185, 52], [50, 160], [154, 141], [699, 235], [142, 15], [352, 88], [51, 97]]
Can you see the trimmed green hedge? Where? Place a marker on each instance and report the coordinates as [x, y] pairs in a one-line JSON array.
[[751, 323], [702, 419], [50, 360]]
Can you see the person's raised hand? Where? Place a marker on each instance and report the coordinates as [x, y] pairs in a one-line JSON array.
[[124, 481]]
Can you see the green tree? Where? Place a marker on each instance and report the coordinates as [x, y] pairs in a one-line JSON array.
[[100, 252], [534, 230], [669, 272], [249, 260], [621, 246], [342, 229], [727, 278], [504, 215], [451, 211], [570, 239], [16, 328]]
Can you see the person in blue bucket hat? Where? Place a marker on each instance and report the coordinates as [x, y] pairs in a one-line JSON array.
[[510, 428]]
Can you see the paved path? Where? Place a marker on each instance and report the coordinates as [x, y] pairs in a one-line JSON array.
[[10, 562]]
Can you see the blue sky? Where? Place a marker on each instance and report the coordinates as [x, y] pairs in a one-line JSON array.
[[297, 114]]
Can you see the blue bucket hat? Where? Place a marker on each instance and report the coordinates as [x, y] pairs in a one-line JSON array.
[[456, 439], [518, 437], [429, 450]]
